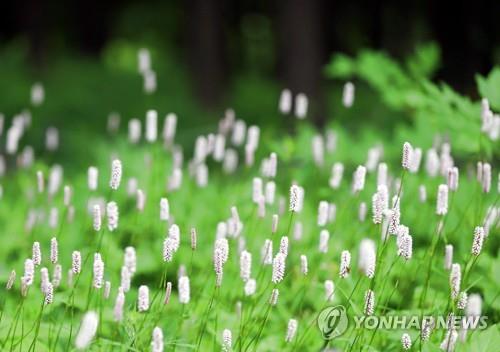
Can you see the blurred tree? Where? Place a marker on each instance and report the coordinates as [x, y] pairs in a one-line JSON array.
[[467, 33], [92, 23], [295, 36], [206, 48], [34, 19], [301, 51]]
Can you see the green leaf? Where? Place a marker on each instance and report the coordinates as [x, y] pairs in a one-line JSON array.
[[425, 61], [489, 87], [482, 341], [341, 66], [429, 347]]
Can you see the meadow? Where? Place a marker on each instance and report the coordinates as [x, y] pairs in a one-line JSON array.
[[241, 235]]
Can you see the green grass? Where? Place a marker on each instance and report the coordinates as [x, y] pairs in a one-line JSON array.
[[394, 103], [398, 285]]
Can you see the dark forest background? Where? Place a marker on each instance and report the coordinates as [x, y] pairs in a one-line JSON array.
[[212, 54], [290, 40]]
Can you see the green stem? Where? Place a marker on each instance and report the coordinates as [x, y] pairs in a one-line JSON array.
[[216, 318], [179, 327], [18, 309], [266, 317], [204, 318], [37, 330]]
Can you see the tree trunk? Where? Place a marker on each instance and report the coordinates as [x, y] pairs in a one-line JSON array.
[[206, 49], [301, 52], [34, 21]]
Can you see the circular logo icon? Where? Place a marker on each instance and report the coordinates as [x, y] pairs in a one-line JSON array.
[[332, 322]]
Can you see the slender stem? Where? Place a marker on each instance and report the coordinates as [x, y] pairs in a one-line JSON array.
[[259, 274], [203, 322], [241, 326], [257, 338], [387, 275], [352, 293], [216, 318], [434, 243], [22, 329], [146, 314], [18, 309], [289, 223], [37, 330], [15, 326], [298, 342], [179, 327]]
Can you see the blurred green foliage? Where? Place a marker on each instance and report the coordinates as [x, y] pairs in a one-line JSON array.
[[432, 108], [395, 101], [489, 87]]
